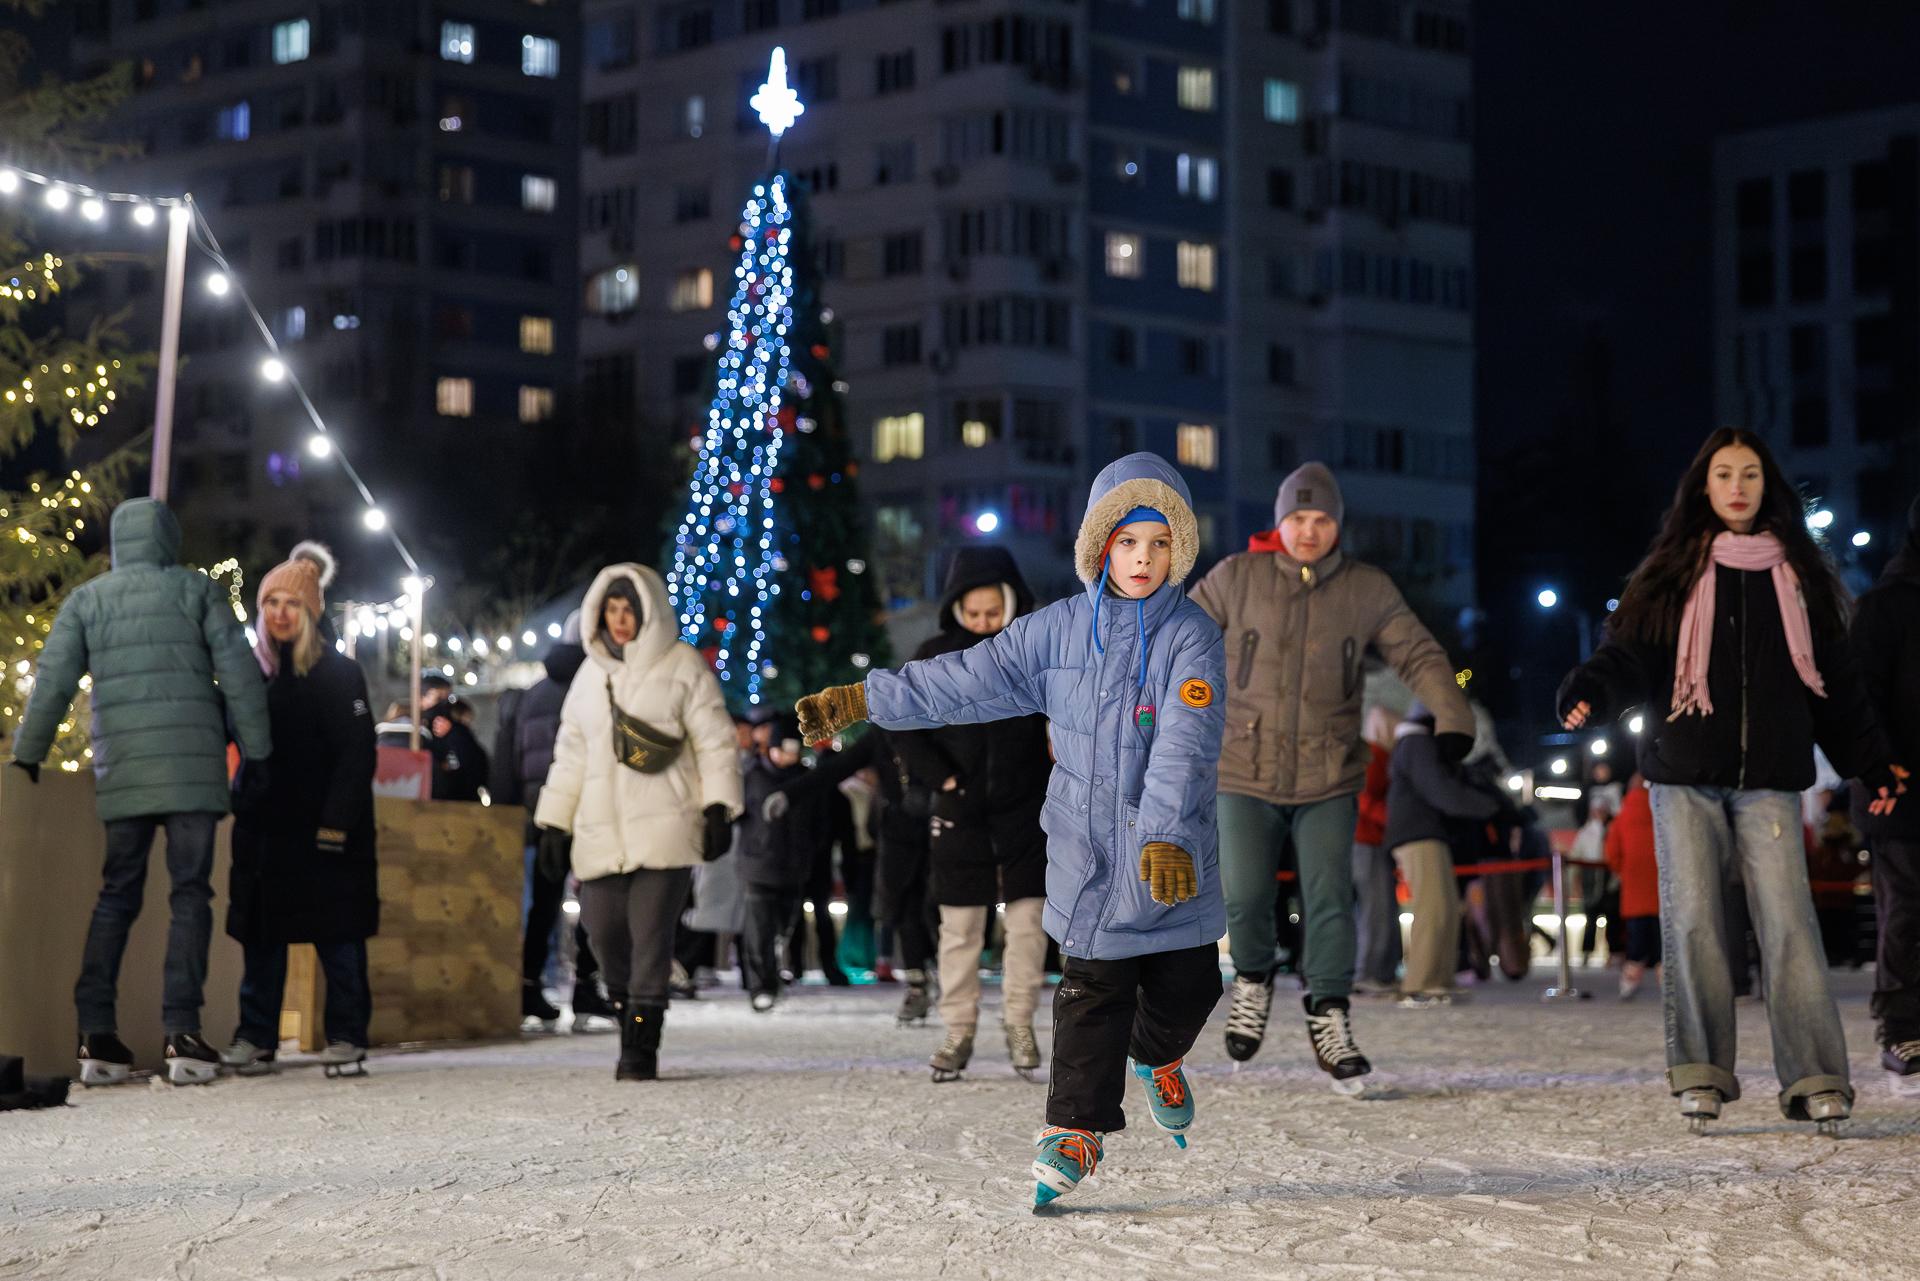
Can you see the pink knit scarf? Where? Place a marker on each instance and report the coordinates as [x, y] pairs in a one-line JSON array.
[[1751, 552]]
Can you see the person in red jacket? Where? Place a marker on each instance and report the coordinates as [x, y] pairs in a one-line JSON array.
[[1376, 903], [1630, 856]]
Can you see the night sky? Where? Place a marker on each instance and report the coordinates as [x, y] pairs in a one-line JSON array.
[[1594, 146]]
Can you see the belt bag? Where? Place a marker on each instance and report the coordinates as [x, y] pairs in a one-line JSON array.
[[638, 745]]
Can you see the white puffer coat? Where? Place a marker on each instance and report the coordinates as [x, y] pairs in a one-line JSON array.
[[622, 819]]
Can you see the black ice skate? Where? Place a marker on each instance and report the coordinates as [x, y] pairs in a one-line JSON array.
[[104, 1060], [915, 1001], [190, 1060], [537, 1013], [950, 1060], [1902, 1062], [1247, 1016], [1700, 1106], [1331, 1033], [592, 1012], [343, 1058]]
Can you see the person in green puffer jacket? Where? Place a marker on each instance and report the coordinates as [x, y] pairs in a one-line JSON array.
[[173, 679]]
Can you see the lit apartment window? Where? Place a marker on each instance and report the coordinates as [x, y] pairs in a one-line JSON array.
[[456, 41], [1196, 11], [291, 41], [1124, 256], [536, 193], [1194, 265], [536, 335], [1196, 88], [692, 291], [1283, 102], [453, 397], [615, 290], [235, 123], [693, 116], [975, 434], [536, 404], [293, 324], [901, 436], [1197, 177], [1197, 445], [539, 56]]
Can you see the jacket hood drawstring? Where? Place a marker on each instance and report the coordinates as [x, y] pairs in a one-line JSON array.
[[1140, 603]]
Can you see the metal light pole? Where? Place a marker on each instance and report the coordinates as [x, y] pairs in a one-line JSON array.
[[178, 217]]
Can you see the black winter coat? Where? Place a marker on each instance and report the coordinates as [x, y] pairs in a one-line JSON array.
[[283, 888], [1765, 722], [1002, 767], [902, 809], [1886, 645], [780, 854], [523, 745], [1427, 795], [459, 762]]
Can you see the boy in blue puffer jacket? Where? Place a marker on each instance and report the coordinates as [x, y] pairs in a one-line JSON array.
[[1128, 674]]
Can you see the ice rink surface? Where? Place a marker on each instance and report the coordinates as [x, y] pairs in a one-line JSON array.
[[1517, 1141]]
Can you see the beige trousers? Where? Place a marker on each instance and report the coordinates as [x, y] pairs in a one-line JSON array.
[[963, 933], [1433, 946]]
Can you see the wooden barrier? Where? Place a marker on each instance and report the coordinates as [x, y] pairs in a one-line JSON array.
[[446, 965]]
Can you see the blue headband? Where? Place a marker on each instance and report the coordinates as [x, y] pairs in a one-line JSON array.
[[1143, 513]]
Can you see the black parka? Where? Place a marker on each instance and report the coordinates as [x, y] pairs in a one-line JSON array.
[[523, 745], [1765, 721], [991, 819], [1886, 645], [283, 888]]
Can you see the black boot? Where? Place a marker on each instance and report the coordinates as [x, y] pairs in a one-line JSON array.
[[640, 1042]]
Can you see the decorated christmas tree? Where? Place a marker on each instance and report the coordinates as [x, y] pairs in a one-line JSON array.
[[58, 380], [769, 571]]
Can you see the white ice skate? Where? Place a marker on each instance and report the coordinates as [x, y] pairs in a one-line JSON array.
[[949, 1062], [244, 1058], [1700, 1106], [1902, 1062], [343, 1058]]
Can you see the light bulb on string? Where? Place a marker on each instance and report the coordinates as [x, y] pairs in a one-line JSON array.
[[319, 446], [374, 519], [92, 210], [143, 214], [58, 197], [218, 284], [273, 369], [9, 182]]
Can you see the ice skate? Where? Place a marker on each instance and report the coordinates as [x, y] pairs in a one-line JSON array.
[[1065, 1157], [592, 1012], [1168, 1098], [762, 1002], [244, 1058], [680, 985], [1902, 1062], [190, 1060], [537, 1013], [1247, 1016], [343, 1058], [950, 1060], [1331, 1033], [104, 1060], [916, 1001], [1022, 1050], [1827, 1110], [1426, 1000], [1699, 1107]]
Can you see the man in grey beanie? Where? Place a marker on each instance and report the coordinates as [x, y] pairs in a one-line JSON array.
[[1299, 616]]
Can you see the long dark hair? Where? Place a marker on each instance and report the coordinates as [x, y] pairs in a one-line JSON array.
[[1656, 595]]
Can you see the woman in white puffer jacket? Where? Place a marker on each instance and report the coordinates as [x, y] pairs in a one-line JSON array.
[[637, 833]]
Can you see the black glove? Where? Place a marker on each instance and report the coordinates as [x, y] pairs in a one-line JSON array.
[[250, 787], [1453, 747], [1881, 778], [330, 841], [719, 833], [31, 771], [553, 854], [1579, 688]]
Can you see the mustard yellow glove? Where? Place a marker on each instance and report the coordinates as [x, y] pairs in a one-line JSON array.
[[1168, 872], [834, 708]]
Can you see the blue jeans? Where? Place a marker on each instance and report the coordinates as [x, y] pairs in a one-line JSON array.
[[1698, 833], [1377, 915], [122, 890], [1253, 835], [349, 1005]]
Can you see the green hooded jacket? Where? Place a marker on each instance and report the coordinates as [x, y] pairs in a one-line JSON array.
[[171, 667]]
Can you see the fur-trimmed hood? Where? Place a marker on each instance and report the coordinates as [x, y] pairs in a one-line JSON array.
[[1138, 480], [657, 631]]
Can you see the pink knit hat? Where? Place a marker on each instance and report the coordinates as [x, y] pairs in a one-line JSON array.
[[305, 573]]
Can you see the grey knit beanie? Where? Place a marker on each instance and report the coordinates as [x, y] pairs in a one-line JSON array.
[[1310, 488]]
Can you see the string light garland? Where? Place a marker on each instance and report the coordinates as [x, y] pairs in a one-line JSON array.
[[100, 207]]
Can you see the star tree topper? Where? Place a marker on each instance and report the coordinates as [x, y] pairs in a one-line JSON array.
[[777, 105]]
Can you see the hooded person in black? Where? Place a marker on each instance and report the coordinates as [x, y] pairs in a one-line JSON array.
[[522, 754], [1886, 646], [988, 783]]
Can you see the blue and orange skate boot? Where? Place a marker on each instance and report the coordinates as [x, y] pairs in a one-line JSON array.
[[1065, 1157], [1167, 1097]]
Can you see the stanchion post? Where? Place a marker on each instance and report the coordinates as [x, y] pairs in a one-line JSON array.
[[1563, 990]]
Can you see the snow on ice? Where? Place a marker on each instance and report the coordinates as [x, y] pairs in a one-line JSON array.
[[1517, 1142]]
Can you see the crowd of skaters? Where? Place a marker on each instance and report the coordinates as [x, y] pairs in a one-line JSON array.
[[1119, 779]]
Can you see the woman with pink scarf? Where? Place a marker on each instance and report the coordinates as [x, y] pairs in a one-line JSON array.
[[1731, 635]]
